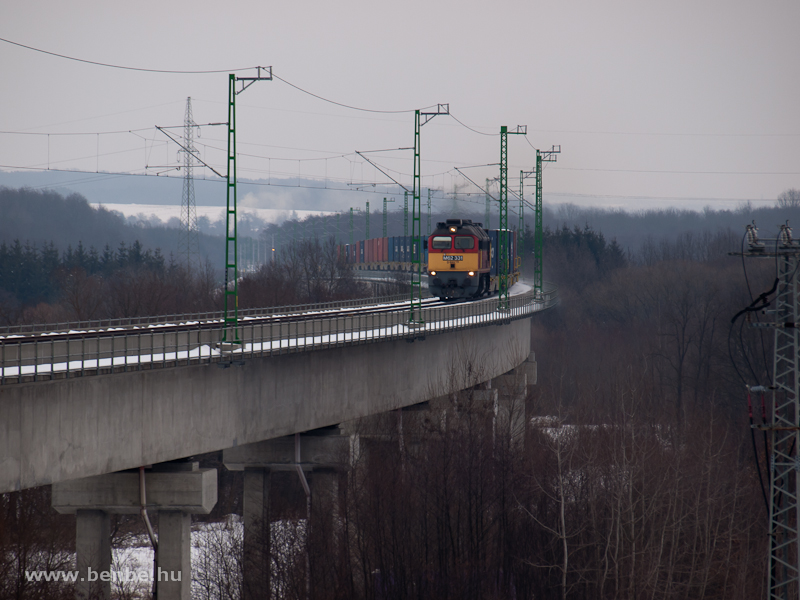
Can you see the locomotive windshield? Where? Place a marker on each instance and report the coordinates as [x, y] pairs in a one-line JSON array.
[[464, 242], [441, 242]]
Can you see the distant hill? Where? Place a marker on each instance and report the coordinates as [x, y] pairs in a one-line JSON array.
[[633, 228], [41, 217]]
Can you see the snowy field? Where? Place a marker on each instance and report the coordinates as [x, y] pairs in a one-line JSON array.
[[165, 212]]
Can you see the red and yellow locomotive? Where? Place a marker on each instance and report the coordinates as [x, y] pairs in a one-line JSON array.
[[463, 259]]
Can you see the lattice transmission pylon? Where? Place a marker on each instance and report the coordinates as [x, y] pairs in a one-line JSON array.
[[189, 241], [784, 430], [783, 425]]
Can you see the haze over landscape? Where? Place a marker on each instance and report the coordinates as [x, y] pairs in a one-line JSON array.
[[594, 433], [680, 105]]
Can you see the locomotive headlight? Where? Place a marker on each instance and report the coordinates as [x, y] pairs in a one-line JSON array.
[[453, 229], [433, 273], [472, 273]]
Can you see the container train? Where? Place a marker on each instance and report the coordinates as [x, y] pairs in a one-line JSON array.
[[460, 257]]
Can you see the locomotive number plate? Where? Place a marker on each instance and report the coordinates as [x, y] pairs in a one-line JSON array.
[[452, 257]]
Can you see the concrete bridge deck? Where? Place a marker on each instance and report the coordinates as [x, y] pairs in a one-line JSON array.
[[92, 419]]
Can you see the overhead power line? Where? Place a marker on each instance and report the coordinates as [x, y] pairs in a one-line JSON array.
[[328, 100], [471, 128], [126, 68], [678, 172]]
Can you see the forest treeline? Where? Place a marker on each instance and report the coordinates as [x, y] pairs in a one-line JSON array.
[[80, 284], [41, 217], [634, 229]]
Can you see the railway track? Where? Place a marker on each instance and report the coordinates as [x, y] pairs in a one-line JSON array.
[[45, 355], [209, 324]]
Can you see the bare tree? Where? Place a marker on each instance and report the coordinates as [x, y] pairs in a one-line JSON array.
[[789, 198]]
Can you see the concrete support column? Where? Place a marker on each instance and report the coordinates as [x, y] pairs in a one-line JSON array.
[[93, 554], [322, 453], [175, 491], [513, 387], [174, 570], [257, 537], [325, 494]]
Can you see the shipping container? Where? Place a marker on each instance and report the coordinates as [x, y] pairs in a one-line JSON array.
[[493, 237], [390, 247]]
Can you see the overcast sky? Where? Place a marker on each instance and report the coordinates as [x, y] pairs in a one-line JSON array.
[[653, 104]]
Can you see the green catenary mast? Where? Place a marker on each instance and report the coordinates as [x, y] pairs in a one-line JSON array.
[[503, 242], [415, 312], [538, 240], [488, 216], [405, 213], [386, 217], [429, 211], [523, 175], [230, 332]]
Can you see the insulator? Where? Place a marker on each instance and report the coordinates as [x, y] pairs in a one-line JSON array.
[[785, 236], [752, 238]]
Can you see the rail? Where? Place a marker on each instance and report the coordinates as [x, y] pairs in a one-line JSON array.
[[202, 316], [79, 354]]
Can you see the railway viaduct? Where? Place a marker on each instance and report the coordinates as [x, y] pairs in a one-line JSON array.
[[85, 410]]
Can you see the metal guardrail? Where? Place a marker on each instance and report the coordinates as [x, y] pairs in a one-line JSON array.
[[82, 354], [203, 316]]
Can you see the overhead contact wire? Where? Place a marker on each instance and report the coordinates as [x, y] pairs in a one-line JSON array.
[[126, 68], [329, 101]]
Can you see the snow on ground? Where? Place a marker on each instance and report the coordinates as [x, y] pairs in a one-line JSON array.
[[451, 317], [216, 559]]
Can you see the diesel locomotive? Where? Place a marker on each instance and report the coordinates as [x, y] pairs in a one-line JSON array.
[[463, 259], [460, 258]]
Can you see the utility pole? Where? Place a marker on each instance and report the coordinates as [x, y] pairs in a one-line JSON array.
[[488, 216], [538, 239], [351, 226], [523, 175], [230, 334], [366, 232], [429, 211], [415, 312], [503, 244], [189, 243], [386, 217], [405, 213], [353, 210]]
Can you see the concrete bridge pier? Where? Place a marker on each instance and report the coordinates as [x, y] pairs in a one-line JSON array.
[[173, 492], [93, 553], [512, 387], [321, 454]]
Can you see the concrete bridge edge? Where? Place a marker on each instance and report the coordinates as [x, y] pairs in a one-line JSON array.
[[75, 428]]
